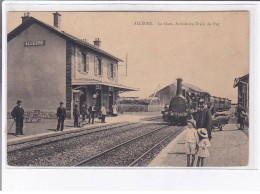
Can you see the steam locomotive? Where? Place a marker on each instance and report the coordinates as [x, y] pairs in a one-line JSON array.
[[184, 105]]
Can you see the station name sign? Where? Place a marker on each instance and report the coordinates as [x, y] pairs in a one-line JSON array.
[[34, 43]]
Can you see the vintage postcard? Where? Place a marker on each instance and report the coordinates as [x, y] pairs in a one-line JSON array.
[[128, 89]]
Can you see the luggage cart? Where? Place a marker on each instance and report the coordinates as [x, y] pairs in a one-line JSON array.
[[219, 121]]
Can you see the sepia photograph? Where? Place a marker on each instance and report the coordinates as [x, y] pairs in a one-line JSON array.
[[127, 89]]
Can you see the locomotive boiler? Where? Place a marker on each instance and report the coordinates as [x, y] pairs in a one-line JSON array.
[[177, 112]]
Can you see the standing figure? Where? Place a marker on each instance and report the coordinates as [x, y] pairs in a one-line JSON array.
[[83, 111], [203, 145], [103, 112], [199, 118], [61, 115], [206, 120], [192, 140], [92, 110], [241, 116], [114, 113], [18, 116], [76, 116]]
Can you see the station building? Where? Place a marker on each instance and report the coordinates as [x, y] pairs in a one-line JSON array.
[[242, 84], [46, 65]]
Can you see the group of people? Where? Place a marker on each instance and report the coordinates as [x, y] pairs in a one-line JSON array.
[[85, 112], [18, 115], [198, 136], [197, 143], [90, 113]]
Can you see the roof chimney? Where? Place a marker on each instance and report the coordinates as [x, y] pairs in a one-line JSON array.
[[25, 17], [97, 42], [56, 19]]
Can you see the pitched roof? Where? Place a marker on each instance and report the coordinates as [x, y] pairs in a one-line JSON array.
[[172, 89], [32, 20], [240, 79], [194, 88]]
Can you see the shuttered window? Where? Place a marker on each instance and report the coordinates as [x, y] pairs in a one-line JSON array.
[[115, 70], [110, 70], [98, 66], [84, 62]]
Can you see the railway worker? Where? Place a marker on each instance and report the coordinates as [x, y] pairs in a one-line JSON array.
[[103, 113], [192, 140], [18, 116], [61, 116], [241, 116], [91, 110], [76, 116]]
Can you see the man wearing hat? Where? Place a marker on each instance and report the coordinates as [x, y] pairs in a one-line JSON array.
[[18, 115], [61, 115], [206, 120]]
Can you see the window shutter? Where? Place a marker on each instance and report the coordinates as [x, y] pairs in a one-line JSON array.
[[115, 69], [102, 67], [87, 63], [108, 70], [80, 62], [95, 66]]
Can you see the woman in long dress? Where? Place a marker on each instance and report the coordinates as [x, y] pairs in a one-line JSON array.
[[114, 113]]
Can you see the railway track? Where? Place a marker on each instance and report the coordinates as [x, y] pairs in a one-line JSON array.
[[74, 147], [156, 146], [155, 118], [61, 136], [108, 154]]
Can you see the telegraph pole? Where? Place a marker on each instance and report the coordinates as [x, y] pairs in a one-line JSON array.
[[126, 65]]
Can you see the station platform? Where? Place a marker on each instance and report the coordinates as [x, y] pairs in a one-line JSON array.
[[47, 127], [229, 148]]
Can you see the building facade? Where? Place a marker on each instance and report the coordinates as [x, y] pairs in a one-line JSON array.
[[46, 66], [242, 84]]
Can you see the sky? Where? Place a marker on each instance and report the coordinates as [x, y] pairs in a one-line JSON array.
[[206, 49]]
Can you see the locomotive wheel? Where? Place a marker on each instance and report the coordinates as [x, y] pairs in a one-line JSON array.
[[171, 122]]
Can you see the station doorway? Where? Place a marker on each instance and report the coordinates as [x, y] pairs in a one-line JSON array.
[[82, 100]]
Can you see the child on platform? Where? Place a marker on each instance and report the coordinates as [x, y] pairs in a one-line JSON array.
[[192, 140], [203, 144]]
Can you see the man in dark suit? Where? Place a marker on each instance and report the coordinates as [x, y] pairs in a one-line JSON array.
[[206, 120], [61, 115], [83, 111], [18, 115], [241, 115], [91, 110], [76, 116]]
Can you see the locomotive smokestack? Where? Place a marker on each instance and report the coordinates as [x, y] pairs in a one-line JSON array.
[[179, 87]]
